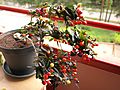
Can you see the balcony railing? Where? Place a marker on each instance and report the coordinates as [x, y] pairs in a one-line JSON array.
[[90, 22], [96, 63]]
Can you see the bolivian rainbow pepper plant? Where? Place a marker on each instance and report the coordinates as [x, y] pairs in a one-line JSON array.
[[55, 66]]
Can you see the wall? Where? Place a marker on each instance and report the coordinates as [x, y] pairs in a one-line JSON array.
[[92, 78]]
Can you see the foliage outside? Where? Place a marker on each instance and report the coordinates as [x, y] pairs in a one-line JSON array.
[[117, 38], [101, 35], [106, 8]]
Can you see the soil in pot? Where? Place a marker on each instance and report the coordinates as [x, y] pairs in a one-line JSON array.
[[18, 55], [9, 42]]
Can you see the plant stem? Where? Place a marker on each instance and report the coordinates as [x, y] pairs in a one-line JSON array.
[[54, 86]]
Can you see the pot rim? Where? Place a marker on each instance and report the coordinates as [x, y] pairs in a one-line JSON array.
[[6, 33]]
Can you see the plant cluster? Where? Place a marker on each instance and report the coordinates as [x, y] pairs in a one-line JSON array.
[[53, 65]]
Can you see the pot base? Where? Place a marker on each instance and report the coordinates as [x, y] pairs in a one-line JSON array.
[[8, 72]]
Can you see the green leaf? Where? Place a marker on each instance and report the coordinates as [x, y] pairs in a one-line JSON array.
[[51, 39]]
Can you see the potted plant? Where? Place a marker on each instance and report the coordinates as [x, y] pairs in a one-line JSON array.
[[54, 65], [19, 55]]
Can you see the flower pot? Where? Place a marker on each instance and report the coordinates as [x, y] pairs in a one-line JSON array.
[[18, 60]]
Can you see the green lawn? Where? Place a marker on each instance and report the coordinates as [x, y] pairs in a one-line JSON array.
[[101, 35]]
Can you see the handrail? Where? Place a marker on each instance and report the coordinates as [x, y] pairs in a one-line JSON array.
[[14, 9], [92, 23]]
